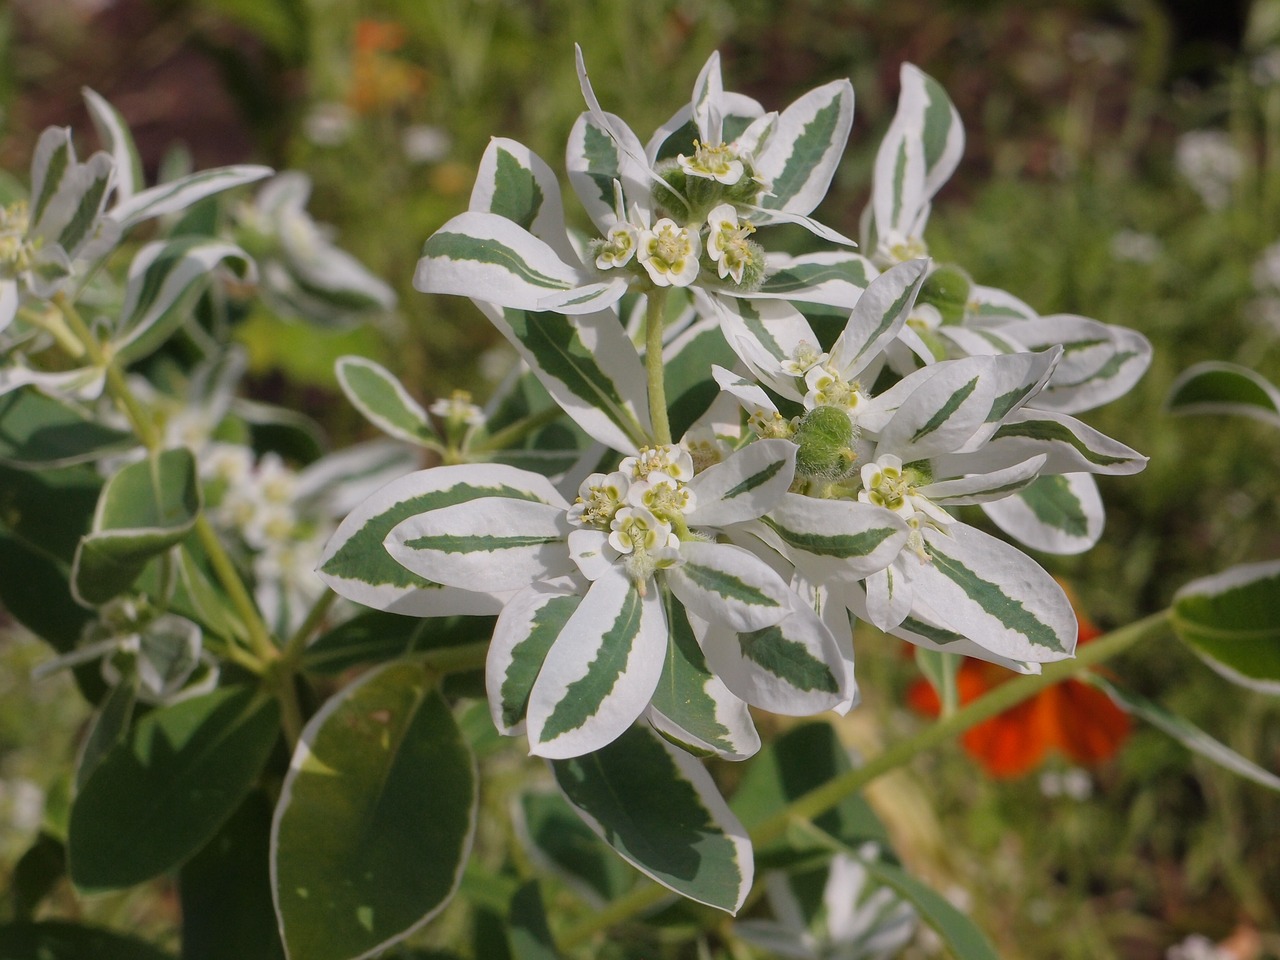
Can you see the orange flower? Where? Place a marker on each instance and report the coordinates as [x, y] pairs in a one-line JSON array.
[[1071, 717], [379, 79]]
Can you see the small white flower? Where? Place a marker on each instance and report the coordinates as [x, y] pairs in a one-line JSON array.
[[618, 247], [425, 143], [1266, 270], [668, 459], [669, 253], [895, 247], [599, 497], [636, 529], [827, 388], [717, 162], [803, 358], [727, 242], [457, 408], [328, 124], [1197, 947]]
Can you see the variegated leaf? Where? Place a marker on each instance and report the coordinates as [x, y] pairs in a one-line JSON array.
[[727, 584], [1100, 362], [164, 278], [1225, 388], [764, 334], [72, 218], [660, 810], [794, 667], [525, 631], [1060, 514], [589, 367], [984, 487], [514, 182], [807, 144], [1232, 620], [114, 133], [832, 277], [53, 158], [840, 538], [877, 316], [1072, 446], [601, 671], [744, 486], [492, 544], [383, 400], [357, 566], [942, 407], [691, 706], [596, 162], [992, 593], [182, 193]]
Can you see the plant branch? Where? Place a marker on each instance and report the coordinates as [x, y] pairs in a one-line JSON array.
[[654, 371]]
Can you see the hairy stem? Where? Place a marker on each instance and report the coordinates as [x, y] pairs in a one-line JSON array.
[[655, 374]]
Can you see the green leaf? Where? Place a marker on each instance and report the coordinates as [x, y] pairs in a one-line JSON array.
[[659, 809], [59, 940], [960, 934], [25, 496], [375, 820], [146, 508], [35, 875], [114, 133], [1232, 620], [560, 843], [1225, 388], [528, 933], [687, 362], [109, 728], [383, 401], [157, 798], [1185, 732], [225, 891], [375, 637], [38, 432]]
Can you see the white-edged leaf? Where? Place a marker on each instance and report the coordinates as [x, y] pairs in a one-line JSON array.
[[1185, 732], [832, 277], [376, 817], [51, 161], [588, 365], [596, 163], [114, 133], [794, 667], [383, 400], [1072, 445], [727, 584], [691, 706], [527, 627], [182, 193], [1232, 620], [491, 544], [164, 278], [836, 537], [1060, 514], [601, 671], [808, 141], [877, 316], [984, 487], [357, 566], [660, 810], [1100, 362], [1214, 387], [745, 485], [995, 595]]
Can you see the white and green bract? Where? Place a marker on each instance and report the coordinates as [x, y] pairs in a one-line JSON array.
[[603, 596], [679, 211], [1062, 513]]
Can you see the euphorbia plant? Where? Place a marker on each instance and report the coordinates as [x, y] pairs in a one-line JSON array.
[[763, 448]]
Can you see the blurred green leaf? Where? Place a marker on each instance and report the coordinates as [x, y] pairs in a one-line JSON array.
[[59, 940], [559, 842], [158, 797], [38, 432], [144, 509], [1225, 388], [960, 934], [1232, 620], [376, 817]]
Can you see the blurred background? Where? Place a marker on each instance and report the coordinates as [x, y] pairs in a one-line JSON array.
[[1122, 162]]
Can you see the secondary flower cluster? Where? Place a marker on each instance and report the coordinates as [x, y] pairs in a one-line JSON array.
[[865, 402]]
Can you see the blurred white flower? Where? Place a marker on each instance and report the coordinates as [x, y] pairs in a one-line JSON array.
[[1072, 782], [1264, 70], [1266, 270], [328, 124], [22, 804], [1196, 947], [1210, 163], [425, 143], [1131, 246]]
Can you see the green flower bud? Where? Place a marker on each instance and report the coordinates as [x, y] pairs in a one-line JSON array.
[[947, 288], [825, 436]]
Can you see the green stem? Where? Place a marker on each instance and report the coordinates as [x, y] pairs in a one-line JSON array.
[[315, 616], [514, 432], [995, 701], [656, 375], [467, 656], [823, 798]]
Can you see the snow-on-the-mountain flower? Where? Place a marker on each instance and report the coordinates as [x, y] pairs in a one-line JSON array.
[[681, 211], [604, 597]]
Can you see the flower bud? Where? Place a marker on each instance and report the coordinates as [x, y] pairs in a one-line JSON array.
[[825, 435], [947, 289]]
